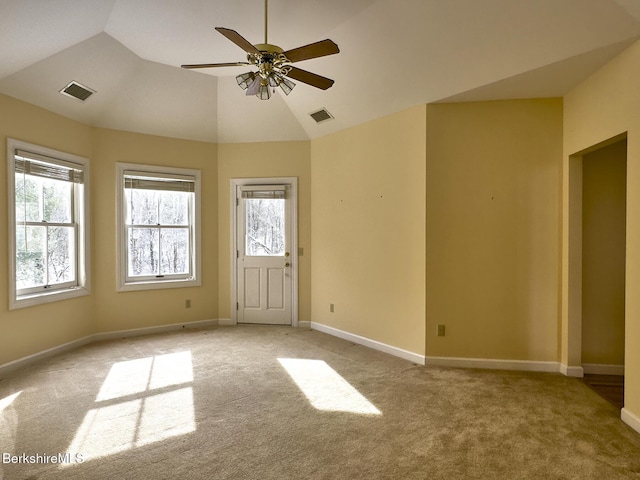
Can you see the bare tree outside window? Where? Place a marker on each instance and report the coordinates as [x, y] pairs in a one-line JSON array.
[[159, 235], [49, 225], [265, 226], [45, 232]]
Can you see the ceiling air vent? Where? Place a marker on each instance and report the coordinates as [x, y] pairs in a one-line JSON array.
[[76, 90], [321, 115]]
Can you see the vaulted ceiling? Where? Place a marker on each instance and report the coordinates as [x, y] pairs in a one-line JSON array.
[[393, 54]]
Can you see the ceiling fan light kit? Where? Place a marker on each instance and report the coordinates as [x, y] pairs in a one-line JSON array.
[[245, 79], [273, 64]]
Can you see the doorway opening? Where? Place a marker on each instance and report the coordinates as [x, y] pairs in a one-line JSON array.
[[597, 234]]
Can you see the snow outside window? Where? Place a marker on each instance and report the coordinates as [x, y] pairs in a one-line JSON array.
[[48, 193], [158, 228]]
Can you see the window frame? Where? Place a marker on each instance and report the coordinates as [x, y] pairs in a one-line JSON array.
[[80, 208], [126, 283]]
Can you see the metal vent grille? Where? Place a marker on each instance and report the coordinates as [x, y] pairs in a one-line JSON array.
[[76, 90], [321, 115]]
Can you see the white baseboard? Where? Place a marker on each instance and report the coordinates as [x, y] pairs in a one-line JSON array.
[[226, 322], [602, 369], [304, 324], [494, 364], [577, 372], [367, 342], [43, 355], [630, 419], [135, 332]]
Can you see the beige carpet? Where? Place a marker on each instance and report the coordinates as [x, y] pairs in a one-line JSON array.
[[279, 403]]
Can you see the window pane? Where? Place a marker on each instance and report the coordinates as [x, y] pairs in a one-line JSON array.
[[61, 255], [57, 200], [143, 251], [175, 251], [174, 208], [28, 199], [20, 198], [30, 257], [264, 226], [142, 206]]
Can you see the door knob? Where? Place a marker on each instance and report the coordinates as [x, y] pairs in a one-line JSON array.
[[287, 264]]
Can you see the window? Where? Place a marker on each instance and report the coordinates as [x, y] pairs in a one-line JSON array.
[[48, 198], [159, 209], [265, 220]]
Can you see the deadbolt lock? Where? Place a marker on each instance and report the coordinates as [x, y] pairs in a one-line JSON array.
[[286, 254]]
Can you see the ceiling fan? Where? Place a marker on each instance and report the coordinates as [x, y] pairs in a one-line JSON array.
[[274, 69]]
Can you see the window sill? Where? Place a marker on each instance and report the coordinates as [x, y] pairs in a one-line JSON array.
[[40, 298], [158, 285]]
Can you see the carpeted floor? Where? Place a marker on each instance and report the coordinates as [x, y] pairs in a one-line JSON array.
[[280, 403]]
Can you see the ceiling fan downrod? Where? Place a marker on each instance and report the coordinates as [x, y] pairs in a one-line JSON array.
[[266, 14]]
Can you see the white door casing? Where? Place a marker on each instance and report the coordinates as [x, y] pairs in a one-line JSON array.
[[264, 251]]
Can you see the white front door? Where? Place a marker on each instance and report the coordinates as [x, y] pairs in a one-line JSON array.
[[263, 256]]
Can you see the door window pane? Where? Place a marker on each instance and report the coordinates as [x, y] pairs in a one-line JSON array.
[[264, 226]]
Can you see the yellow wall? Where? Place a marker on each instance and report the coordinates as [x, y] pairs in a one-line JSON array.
[[602, 107], [29, 330], [475, 192], [368, 231], [603, 254], [138, 309], [493, 204], [272, 159]]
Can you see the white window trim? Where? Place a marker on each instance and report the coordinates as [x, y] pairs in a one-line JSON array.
[[121, 274], [83, 253]]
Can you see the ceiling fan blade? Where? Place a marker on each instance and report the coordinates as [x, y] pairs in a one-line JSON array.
[[309, 78], [313, 50], [211, 65], [238, 39]]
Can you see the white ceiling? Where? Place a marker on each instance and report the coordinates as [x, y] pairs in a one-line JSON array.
[[394, 54]]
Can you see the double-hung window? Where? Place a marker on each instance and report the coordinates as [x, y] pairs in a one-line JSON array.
[[48, 224], [158, 227]]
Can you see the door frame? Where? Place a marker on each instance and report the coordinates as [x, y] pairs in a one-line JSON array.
[[571, 277], [235, 183]]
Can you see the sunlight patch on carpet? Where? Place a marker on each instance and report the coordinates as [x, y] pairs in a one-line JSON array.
[[6, 401], [8, 424], [324, 387], [141, 401], [137, 376]]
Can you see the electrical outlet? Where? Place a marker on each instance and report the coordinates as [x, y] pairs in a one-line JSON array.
[[441, 330], [187, 304], [331, 308]]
